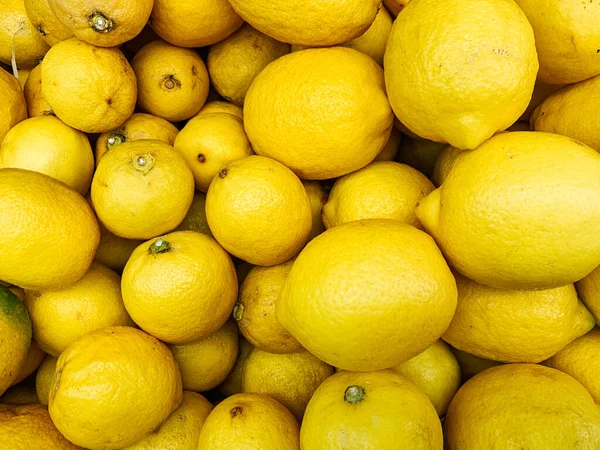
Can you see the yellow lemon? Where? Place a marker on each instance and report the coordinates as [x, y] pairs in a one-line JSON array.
[[317, 195], [419, 153], [372, 410], [255, 309], [105, 23], [233, 383], [23, 74], [114, 251], [541, 92], [471, 365], [113, 387], [588, 289], [436, 372], [444, 164], [89, 88], [313, 23], [518, 212], [381, 190], [259, 211], [172, 81], [205, 363], [20, 394], [45, 144], [522, 406], [516, 326], [13, 108], [61, 317], [322, 112], [565, 36], [142, 189], [329, 303], [19, 34], [50, 233], [30, 427], [182, 428], [291, 379], [570, 112], [43, 378], [15, 329], [221, 107], [33, 359], [36, 103], [138, 126], [389, 152], [373, 41], [180, 287], [195, 220], [581, 360], [193, 23], [234, 62], [469, 75], [209, 143], [42, 17], [250, 421], [395, 6]]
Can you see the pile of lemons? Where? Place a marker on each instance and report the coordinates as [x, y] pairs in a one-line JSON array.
[[299, 224]]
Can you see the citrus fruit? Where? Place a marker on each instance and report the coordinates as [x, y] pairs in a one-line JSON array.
[[419, 153], [113, 387], [361, 279], [195, 220], [541, 91], [258, 210], [221, 107], [114, 251], [373, 41], [471, 74], [471, 365], [233, 383], [317, 195], [588, 289], [322, 112], [36, 103], [43, 379], [33, 359], [517, 212], [44, 20], [13, 108], [395, 6], [371, 410], [389, 152], [180, 287], [20, 394], [444, 164]]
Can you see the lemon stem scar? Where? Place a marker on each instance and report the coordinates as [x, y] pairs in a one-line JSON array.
[[354, 394], [100, 23], [171, 82], [144, 163], [113, 140], [238, 311], [223, 173], [159, 246], [235, 411]]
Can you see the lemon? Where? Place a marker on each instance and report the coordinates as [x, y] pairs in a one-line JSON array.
[[43, 379], [233, 383], [470, 74], [373, 41], [113, 387], [570, 112], [172, 82], [322, 112], [195, 220], [33, 359], [61, 317], [250, 421], [20, 394], [30, 427], [588, 289], [36, 103], [522, 406], [259, 211], [105, 23], [114, 251], [372, 410], [44, 20], [317, 195], [23, 74], [234, 62], [419, 153], [180, 287], [313, 23], [209, 143], [193, 23], [89, 88], [351, 286], [339, 89], [138, 126], [389, 152], [18, 33], [395, 6], [471, 365], [13, 108], [381, 190], [50, 233], [142, 189], [444, 164], [516, 326], [580, 359], [541, 92], [518, 212], [45, 144], [205, 363], [255, 309], [221, 107], [15, 328], [182, 428], [436, 372], [291, 379]]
